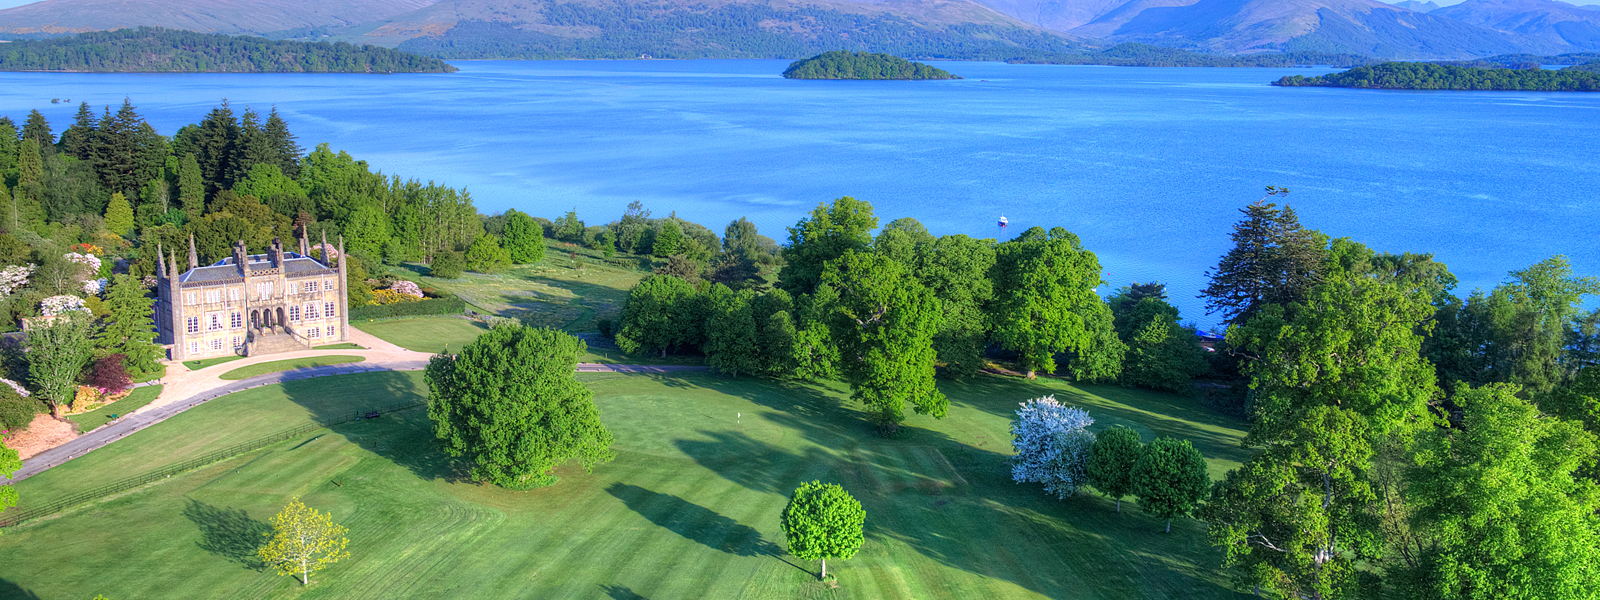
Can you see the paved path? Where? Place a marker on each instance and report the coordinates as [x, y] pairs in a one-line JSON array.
[[187, 389]]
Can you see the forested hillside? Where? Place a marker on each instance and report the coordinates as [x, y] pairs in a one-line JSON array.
[[157, 50], [731, 31], [861, 65], [1429, 76]]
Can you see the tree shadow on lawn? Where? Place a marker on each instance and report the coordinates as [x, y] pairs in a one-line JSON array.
[[12, 591], [988, 526], [694, 522], [621, 592], [403, 437], [229, 533]]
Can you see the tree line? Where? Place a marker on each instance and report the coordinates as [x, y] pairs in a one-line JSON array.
[[158, 50], [1432, 76]]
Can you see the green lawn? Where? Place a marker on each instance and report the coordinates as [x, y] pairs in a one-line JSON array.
[[688, 510], [289, 365], [551, 293], [344, 346], [196, 365], [137, 398], [425, 334]]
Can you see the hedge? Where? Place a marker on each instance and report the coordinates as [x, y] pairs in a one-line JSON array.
[[430, 306]]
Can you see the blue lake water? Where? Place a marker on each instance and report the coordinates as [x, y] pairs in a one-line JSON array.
[[1147, 165]]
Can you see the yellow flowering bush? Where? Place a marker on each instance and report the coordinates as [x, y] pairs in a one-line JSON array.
[[381, 297]]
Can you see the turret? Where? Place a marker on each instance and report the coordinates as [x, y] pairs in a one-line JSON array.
[[161, 264], [305, 244]]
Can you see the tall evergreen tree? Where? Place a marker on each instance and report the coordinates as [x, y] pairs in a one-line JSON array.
[[285, 150], [114, 150], [127, 326], [119, 215], [9, 145], [1273, 261], [191, 187], [37, 129], [214, 143], [77, 139], [252, 147]]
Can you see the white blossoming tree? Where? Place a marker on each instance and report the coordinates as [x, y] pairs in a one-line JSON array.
[[13, 278], [1052, 446]]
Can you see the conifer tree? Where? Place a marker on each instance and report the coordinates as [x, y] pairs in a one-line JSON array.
[[252, 147], [119, 215], [285, 151], [114, 149], [127, 327], [191, 187], [37, 129], [9, 145], [669, 239], [214, 143], [1274, 260], [75, 140]]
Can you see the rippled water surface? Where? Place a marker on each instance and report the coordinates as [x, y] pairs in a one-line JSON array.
[[1148, 166]]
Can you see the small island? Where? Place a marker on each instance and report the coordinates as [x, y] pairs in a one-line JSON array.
[[158, 50], [1431, 76], [843, 64]]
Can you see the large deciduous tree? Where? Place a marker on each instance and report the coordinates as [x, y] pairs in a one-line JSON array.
[[1170, 479], [655, 315], [1274, 260], [57, 353], [523, 237], [1116, 451], [303, 541], [510, 403], [1052, 445], [1045, 303], [823, 521], [731, 345], [1495, 509], [883, 323], [826, 235]]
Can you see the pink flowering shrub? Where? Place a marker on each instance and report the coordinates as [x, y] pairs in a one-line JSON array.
[[408, 288], [14, 278]]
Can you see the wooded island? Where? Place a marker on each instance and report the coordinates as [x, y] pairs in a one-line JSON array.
[[843, 64], [1430, 76]]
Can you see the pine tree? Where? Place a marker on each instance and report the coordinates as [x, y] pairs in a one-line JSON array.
[[119, 215], [114, 149], [668, 239], [8, 145], [252, 148], [38, 129], [75, 141], [127, 327], [286, 151], [1273, 261], [214, 143], [191, 187]]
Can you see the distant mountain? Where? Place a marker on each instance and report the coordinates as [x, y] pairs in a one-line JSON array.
[[1421, 7], [207, 16], [954, 29], [1541, 25], [1334, 26]]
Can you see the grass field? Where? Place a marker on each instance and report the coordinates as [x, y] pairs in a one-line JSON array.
[[289, 365], [137, 398], [688, 510], [343, 346], [425, 334], [196, 365], [550, 293]]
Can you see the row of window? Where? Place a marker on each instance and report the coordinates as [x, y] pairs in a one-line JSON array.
[[263, 291], [216, 344], [213, 321]]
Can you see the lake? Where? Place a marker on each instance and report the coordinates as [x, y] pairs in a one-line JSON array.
[[1147, 165]]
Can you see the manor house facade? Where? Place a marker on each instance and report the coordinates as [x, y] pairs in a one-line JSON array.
[[251, 304]]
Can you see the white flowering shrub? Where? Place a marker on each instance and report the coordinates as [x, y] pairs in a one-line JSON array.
[[329, 251], [89, 260], [21, 391], [1052, 446], [148, 282], [60, 305], [94, 286], [408, 288], [13, 278]]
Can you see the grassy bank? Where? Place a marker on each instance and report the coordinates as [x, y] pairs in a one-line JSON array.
[[689, 508]]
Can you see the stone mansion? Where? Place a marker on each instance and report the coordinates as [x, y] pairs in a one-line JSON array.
[[251, 304]]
